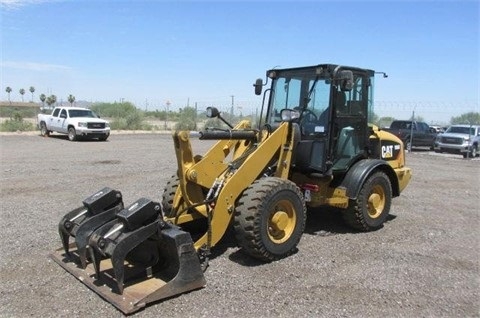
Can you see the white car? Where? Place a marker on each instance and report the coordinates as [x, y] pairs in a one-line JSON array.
[[462, 139], [76, 122]]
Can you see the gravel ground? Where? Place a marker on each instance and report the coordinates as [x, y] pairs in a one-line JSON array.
[[423, 263]]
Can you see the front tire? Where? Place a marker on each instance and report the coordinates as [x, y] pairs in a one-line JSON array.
[[270, 219], [408, 145], [372, 206], [168, 196], [473, 152], [72, 134]]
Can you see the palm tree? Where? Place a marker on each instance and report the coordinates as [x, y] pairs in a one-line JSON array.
[[52, 99], [32, 90], [22, 92], [42, 99], [8, 90], [71, 99]]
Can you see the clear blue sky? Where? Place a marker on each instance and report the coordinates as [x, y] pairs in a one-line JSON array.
[[148, 52]]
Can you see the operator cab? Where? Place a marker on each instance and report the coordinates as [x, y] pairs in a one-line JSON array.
[[331, 105]]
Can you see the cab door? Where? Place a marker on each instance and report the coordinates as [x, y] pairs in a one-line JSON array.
[[350, 122], [62, 121]]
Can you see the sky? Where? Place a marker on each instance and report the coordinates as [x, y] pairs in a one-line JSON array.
[[209, 53]]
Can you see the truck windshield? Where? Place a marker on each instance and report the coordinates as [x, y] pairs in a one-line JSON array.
[[81, 113], [306, 93], [461, 130]]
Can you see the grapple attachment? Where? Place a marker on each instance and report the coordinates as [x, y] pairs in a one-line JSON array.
[[137, 258], [98, 209]]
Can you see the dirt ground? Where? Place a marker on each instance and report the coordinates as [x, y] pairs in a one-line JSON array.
[[423, 263]]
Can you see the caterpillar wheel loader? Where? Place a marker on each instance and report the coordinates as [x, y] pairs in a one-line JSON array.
[[312, 147]]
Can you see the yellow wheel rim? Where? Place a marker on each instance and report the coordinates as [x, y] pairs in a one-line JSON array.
[[376, 202], [281, 222]]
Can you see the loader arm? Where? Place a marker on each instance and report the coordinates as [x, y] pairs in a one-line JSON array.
[[197, 178]]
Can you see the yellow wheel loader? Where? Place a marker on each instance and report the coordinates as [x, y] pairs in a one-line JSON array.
[[312, 147]]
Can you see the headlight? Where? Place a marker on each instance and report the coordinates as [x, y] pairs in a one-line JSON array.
[[107, 125], [82, 125]]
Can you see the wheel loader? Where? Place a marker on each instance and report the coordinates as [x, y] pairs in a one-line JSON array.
[[313, 147]]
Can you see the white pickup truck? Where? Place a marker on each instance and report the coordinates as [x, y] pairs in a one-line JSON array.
[[74, 121]]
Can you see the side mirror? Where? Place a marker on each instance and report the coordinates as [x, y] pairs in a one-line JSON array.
[[63, 116], [258, 86], [346, 80], [289, 114]]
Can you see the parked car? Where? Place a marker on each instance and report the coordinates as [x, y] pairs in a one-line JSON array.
[[76, 122], [413, 133], [461, 139]]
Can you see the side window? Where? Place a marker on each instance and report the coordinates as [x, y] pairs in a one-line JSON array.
[[55, 112], [356, 98], [287, 95], [63, 113]]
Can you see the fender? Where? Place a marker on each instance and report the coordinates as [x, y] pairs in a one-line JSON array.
[[360, 171]]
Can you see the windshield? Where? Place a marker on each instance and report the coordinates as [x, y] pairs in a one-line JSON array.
[[81, 113], [461, 130], [300, 92]]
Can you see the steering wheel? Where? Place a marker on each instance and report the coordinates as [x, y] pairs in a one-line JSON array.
[[309, 116]]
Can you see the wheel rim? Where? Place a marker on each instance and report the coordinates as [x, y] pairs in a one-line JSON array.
[[376, 202], [44, 129], [71, 135], [281, 222]]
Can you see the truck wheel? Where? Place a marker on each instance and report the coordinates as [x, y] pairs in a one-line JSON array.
[[43, 130], [168, 196], [408, 145], [372, 206], [270, 219], [473, 152], [72, 134]]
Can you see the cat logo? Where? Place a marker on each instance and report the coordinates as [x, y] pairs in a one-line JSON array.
[[387, 152]]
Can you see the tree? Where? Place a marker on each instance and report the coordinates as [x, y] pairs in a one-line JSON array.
[[384, 121], [187, 120], [8, 90], [52, 99], [32, 90], [22, 92], [42, 99], [472, 118], [71, 99]]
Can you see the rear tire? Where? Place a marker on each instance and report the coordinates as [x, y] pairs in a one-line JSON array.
[[72, 134], [372, 206], [270, 219], [43, 130]]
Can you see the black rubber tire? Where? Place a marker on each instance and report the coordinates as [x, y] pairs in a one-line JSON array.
[[168, 196], [270, 219], [408, 144], [372, 206], [473, 152], [103, 138], [72, 134], [43, 130]]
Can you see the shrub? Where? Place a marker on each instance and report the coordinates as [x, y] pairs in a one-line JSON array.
[[16, 123]]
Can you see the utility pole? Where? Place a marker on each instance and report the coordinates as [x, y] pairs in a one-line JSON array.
[[231, 110]]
